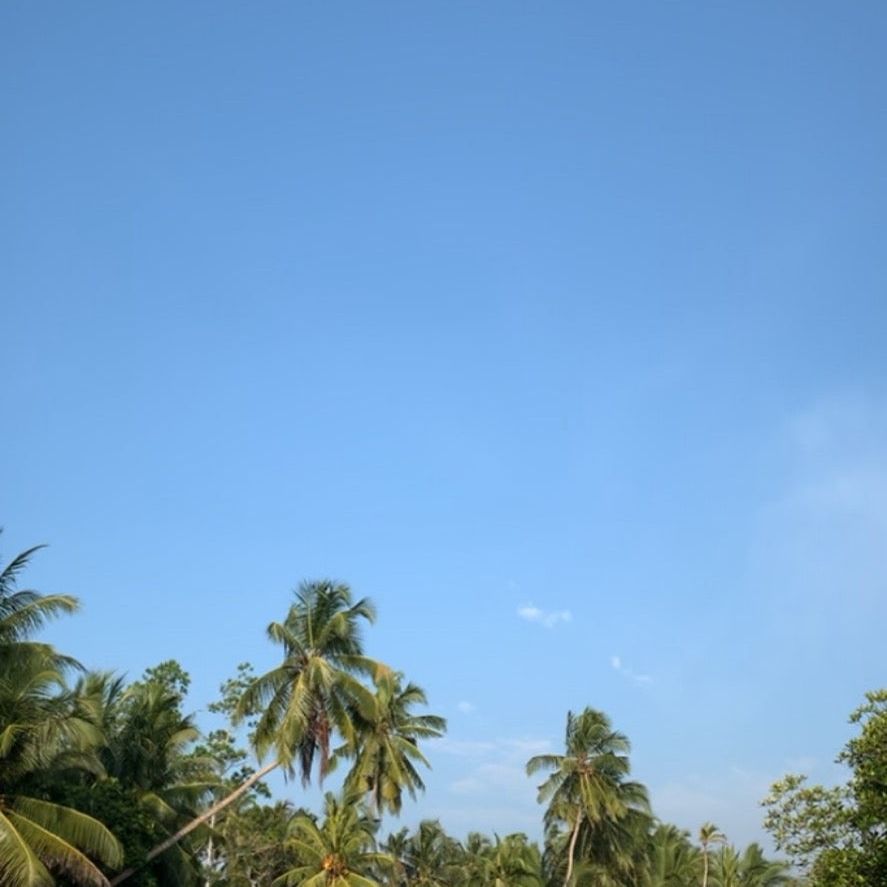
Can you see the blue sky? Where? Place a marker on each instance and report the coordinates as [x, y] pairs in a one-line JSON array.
[[556, 329]]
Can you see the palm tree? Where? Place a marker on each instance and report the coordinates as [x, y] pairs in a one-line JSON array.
[[750, 869], [148, 752], [313, 693], [588, 783], [511, 861], [432, 857], [672, 858], [339, 853], [41, 732], [474, 859], [395, 847], [387, 749], [24, 611], [708, 835]]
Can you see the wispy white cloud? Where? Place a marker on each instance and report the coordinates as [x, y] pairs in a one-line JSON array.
[[466, 707], [617, 665], [496, 768], [548, 618]]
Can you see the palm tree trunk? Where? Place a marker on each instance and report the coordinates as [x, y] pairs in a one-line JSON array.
[[572, 850], [705, 867], [154, 852], [210, 854]]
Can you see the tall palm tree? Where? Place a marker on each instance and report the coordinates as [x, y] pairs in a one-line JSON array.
[[587, 783], [41, 732], [338, 853], [387, 750], [708, 835], [313, 693]]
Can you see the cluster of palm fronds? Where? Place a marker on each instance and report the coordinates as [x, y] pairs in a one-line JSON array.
[[104, 782]]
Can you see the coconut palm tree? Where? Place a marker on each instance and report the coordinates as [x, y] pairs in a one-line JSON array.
[[587, 783], [42, 732], [432, 858], [474, 859], [387, 751], [757, 871], [313, 693], [511, 861], [338, 853], [24, 611], [673, 859], [611, 852], [395, 847], [749, 869], [708, 835]]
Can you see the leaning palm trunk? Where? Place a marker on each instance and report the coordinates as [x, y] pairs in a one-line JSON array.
[[705, 867], [174, 839], [572, 850]]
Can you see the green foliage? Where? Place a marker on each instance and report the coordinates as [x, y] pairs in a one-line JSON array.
[[315, 691], [101, 776], [386, 749], [594, 812], [168, 676], [340, 852], [839, 835], [42, 732], [253, 846]]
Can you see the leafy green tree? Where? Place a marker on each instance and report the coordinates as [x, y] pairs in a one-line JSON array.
[[838, 835], [231, 770], [387, 744], [254, 845], [588, 783]]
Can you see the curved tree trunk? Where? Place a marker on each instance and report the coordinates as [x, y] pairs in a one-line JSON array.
[[705, 867], [572, 850], [154, 852]]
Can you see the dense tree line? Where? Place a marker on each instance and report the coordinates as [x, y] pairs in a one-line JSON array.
[[104, 782]]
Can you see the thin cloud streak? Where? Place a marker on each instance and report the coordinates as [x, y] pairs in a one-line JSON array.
[[548, 618], [625, 671]]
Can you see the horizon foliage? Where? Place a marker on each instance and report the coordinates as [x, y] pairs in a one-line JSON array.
[[106, 782]]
